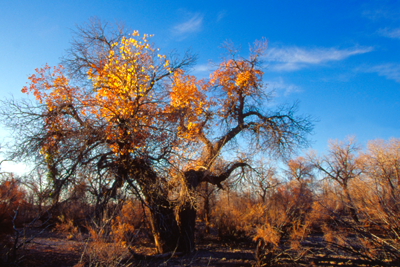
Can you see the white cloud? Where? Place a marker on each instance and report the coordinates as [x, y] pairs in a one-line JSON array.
[[391, 33], [280, 86], [192, 25], [202, 68], [201, 71], [221, 15], [390, 71], [385, 12], [294, 58]]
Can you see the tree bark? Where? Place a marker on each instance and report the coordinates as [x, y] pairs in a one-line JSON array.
[[173, 230], [207, 209], [163, 221], [174, 227], [186, 213], [165, 229], [186, 217]]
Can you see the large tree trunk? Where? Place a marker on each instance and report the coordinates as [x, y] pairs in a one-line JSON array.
[[206, 208], [165, 229], [186, 216], [173, 228], [163, 221], [186, 213]]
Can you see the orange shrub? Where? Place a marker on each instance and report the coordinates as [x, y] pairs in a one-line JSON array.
[[11, 198]]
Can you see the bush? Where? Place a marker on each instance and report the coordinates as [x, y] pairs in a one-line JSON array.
[[12, 197]]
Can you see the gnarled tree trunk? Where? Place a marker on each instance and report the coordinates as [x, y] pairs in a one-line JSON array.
[[165, 229], [163, 220], [186, 213], [173, 226], [186, 217]]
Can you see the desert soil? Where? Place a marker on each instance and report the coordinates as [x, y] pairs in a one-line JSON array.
[[54, 249]]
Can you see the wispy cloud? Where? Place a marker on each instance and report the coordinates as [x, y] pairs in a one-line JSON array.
[[202, 68], [193, 24], [221, 15], [390, 71], [386, 12], [279, 86], [201, 71], [391, 33], [294, 58]]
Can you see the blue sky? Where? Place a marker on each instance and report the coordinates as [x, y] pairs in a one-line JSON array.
[[339, 59]]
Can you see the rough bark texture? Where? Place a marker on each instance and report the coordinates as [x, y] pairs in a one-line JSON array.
[[186, 213], [173, 230], [165, 229], [163, 221], [187, 221]]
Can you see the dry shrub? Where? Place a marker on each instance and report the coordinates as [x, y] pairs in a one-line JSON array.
[[287, 223], [121, 223], [124, 225], [77, 211], [100, 253], [12, 197], [109, 240], [335, 236], [282, 222], [269, 235], [70, 218], [318, 216], [289, 208], [375, 237], [15, 215], [101, 249], [97, 234], [234, 217], [67, 227]]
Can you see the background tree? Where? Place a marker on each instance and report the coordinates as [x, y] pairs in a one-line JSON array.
[[341, 165], [382, 162], [300, 169], [263, 179], [136, 117]]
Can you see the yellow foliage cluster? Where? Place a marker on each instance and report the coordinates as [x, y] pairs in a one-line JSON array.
[[123, 94], [239, 79], [188, 97]]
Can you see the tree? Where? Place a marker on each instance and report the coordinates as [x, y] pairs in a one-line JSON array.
[[136, 117], [263, 180], [300, 169], [382, 162], [342, 165]]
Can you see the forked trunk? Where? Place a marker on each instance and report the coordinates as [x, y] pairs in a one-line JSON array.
[[165, 229], [163, 221], [186, 217], [174, 228], [173, 232]]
